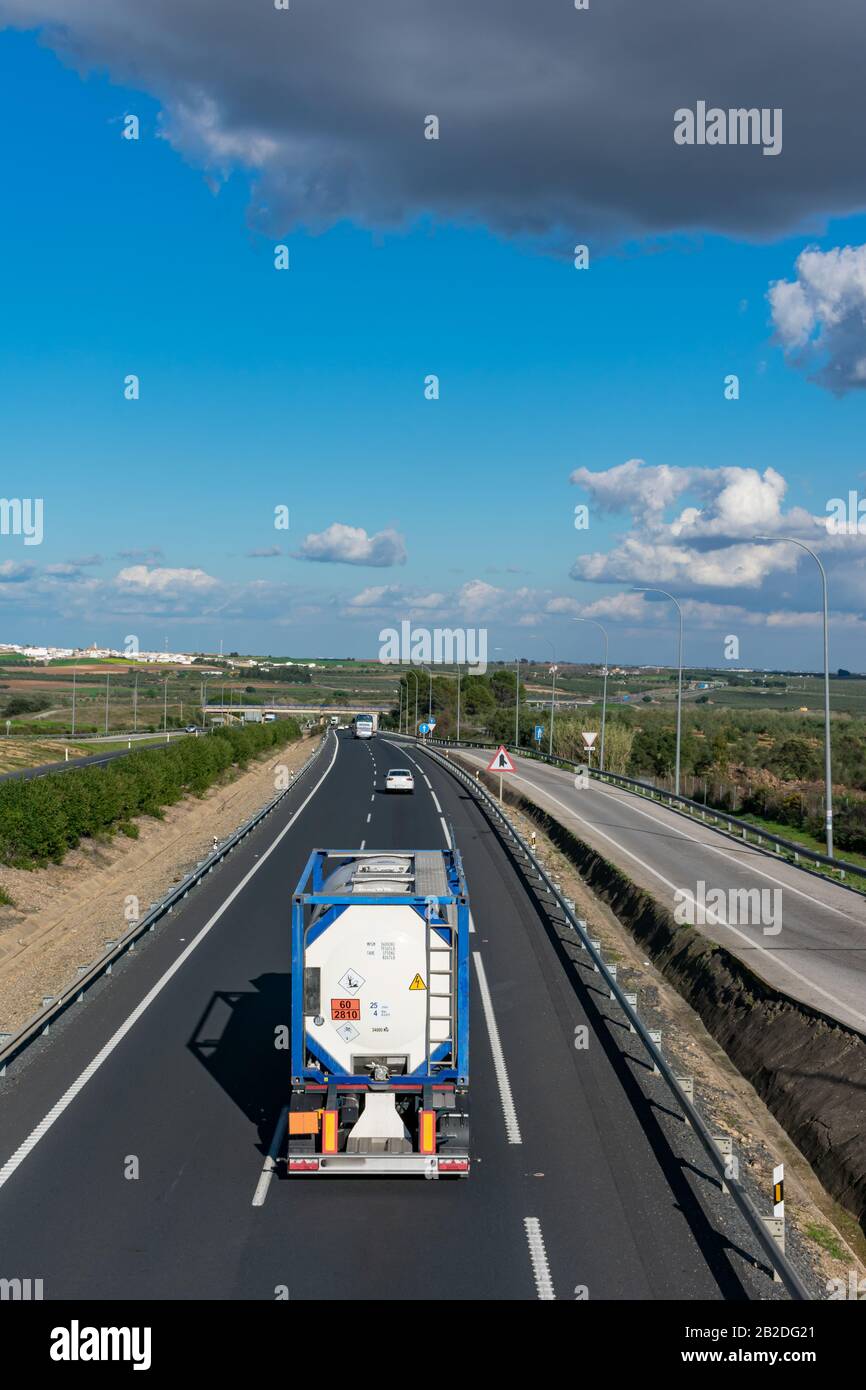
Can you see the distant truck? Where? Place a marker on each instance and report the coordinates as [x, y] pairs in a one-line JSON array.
[[334, 720], [380, 1015], [362, 726]]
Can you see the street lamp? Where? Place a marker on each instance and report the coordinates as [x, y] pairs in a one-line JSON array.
[[458, 701], [415, 674], [828, 774], [639, 590], [604, 693], [552, 693]]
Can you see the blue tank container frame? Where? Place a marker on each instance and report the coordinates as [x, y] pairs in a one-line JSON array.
[[431, 1100]]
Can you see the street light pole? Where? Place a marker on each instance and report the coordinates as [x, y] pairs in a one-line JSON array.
[[107, 684], [165, 706], [458, 702], [679, 677], [828, 770], [415, 674], [73, 701], [552, 694], [604, 693], [517, 703]]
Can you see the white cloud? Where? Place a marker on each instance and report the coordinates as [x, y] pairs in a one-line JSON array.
[[820, 317], [162, 580], [350, 545]]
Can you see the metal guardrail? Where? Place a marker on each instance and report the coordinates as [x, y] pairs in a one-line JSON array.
[[684, 805], [40, 1023], [778, 1261]]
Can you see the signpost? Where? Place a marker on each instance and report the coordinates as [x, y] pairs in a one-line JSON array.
[[588, 741], [501, 762], [424, 728], [538, 732]]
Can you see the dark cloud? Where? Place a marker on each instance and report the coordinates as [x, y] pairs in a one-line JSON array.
[[555, 122]]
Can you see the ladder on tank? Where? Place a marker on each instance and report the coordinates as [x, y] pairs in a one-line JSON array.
[[440, 1022]]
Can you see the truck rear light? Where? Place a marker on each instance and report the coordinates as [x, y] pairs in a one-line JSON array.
[[453, 1165], [303, 1165]]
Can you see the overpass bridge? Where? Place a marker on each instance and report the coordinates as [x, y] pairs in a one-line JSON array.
[[249, 713]]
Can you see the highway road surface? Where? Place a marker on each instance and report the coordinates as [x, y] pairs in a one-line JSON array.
[[135, 1138], [808, 940]]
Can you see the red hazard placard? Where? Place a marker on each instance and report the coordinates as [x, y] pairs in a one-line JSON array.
[[500, 762], [345, 1010]]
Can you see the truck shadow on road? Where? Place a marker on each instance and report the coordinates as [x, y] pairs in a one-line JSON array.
[[242, 1039]]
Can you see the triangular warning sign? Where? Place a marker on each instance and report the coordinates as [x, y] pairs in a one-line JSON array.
[[417, 983], [500, 762]]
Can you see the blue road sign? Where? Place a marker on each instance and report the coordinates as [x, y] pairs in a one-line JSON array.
[[423, 728], [538, 732], [432, 723]]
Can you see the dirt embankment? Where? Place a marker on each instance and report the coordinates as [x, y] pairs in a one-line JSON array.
[[63, 914], [809, 1070]]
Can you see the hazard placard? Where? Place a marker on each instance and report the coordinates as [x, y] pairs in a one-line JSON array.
[[589, 737], [344, 1009], [501, 761], [417, 983]]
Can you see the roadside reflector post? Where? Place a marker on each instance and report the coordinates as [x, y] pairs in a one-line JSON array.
[[611, 970], [775, 1224], [596, 946], [725, 1145]]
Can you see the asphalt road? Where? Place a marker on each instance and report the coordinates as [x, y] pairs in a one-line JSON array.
[[134, 1137], [26, 774], [808, 935]]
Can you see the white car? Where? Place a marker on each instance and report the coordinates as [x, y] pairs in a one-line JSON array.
[[399, 779]]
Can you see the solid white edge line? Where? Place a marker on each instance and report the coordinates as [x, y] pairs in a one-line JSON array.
[[538, 1256], [105, 1052], [270, 1163], [512, 1128]]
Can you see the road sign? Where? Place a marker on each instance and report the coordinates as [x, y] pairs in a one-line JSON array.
[[424, 728], [432, 723], [538, 732], [500, 762], [589, 738]]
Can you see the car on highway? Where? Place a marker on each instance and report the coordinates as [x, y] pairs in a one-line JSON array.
[[399, 779]]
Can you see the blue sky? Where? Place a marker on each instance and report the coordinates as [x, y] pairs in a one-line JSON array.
[[305, 388]]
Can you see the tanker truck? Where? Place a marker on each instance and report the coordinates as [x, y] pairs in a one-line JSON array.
[[380, 1015]]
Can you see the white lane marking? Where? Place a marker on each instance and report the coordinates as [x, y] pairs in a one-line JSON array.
[[270, 1165], [512, 1128], [400, 747], [78, 1085], [363, 843], [369, 815], [538, 1256], [725, 854], [471, 923], [708, 912], [373, 798]]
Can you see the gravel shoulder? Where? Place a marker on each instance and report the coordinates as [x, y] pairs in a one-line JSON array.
[[63, 914]]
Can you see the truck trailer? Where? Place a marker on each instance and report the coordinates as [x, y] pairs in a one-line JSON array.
[[380, 1015]]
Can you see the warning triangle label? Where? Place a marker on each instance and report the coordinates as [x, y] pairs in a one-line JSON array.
[[417, 983], [500, 762]]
